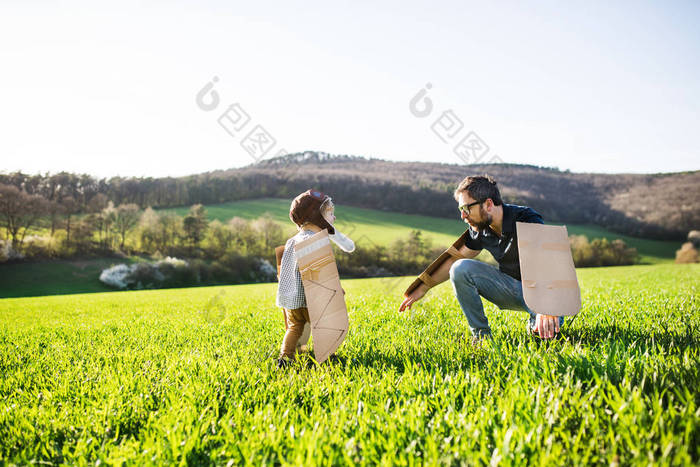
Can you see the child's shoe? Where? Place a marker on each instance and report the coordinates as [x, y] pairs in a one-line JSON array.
[[283, 363]]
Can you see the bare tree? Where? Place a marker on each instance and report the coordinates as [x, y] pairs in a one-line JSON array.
[[270, 233], [125, 219], [244, 237], [220, 238], [84, 231], [148, 227], [97, 203], [20, 211], [169, 229], [55, 209], [195, 224], [70, 208], [107, 215]]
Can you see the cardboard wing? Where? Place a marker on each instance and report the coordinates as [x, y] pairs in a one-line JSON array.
[[426, 276], [550, 286], [324, 296]]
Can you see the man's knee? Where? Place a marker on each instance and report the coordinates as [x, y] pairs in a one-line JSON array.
[[463, 268]]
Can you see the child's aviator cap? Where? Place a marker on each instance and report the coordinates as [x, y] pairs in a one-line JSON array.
[[306, 208]]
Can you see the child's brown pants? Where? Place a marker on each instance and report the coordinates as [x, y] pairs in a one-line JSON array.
[[295, 320]]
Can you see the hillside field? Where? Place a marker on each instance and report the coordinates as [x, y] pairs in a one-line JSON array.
[[380, 227], [188, 376]]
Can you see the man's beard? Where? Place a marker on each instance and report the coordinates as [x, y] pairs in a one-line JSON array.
[[486, 220]]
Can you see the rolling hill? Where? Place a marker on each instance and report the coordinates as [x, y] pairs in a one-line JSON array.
[[661, 206]]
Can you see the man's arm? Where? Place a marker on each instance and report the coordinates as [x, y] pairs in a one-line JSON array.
[[440, 275]]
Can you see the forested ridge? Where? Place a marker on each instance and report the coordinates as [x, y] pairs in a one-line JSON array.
[[663, 206]]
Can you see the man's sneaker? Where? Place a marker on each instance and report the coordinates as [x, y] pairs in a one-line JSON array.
[[531, 331], [482, 341]]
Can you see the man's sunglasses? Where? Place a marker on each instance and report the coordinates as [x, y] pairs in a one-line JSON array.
[[466, 207]]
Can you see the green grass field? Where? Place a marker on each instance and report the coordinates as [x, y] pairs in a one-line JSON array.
[[367, 225], [164, 377], [56, 277]]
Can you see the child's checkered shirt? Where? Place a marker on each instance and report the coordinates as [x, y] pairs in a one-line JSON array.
[[290, 292]]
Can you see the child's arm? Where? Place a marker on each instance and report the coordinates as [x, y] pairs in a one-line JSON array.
[[344, 242]]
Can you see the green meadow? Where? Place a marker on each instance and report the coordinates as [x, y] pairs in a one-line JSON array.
[[55, 277], [188, 376]]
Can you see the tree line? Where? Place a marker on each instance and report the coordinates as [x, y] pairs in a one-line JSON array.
[[654, 206], [216, 252]]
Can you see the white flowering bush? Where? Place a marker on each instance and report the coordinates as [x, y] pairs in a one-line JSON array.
[[175, 272], [266, 271], [116, 276], [174, 262], [7, 253], [168, 272]]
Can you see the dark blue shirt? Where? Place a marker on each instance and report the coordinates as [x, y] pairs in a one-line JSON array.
[[504, 248]]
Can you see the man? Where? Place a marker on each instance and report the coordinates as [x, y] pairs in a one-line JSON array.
[[491, 226]]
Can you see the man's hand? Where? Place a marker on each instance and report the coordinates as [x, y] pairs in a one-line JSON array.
[[414, 297], [547, 326]]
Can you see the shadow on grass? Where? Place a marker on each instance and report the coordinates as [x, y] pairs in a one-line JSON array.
[[616, 344], [415, 359], [672, 341]]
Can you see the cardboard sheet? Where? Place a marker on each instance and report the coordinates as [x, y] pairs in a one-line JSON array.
[[550, 286], [324, 295], [426, 276]]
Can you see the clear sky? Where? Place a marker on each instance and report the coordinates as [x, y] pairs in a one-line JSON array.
[[109, 88]]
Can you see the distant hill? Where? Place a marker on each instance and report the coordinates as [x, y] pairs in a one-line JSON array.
[[662, 206]]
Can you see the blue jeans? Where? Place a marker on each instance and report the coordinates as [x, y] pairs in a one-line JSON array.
[[472, 279]]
